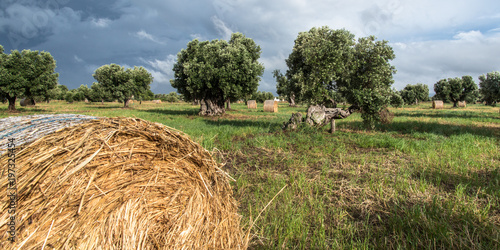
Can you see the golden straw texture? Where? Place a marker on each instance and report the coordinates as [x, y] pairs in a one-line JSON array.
[[437, 104], [252, 104], [120, 183], [271, 106]]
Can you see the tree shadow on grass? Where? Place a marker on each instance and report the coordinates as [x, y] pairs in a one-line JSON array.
[[451, 114], [183, 112], [272, 126], [426, 223], [23, 111], [475, 181], [409, 127], [104, 107]]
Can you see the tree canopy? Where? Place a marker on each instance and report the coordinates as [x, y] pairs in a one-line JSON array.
[[27, 74], [326, 62], [260, 96], [120, 83], [412, 94], [456, 89], [490, 87], [216, 71]]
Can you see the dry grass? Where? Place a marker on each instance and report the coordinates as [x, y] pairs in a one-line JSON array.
[[120, 183]]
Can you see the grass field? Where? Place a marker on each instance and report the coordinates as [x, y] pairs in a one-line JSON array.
[[430, 179]]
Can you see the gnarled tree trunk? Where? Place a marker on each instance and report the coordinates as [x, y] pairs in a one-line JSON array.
[[318, 116], [211, 108], [292, 101], [12, 104]]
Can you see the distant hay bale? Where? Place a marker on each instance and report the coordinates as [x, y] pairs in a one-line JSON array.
[[271, 106], [462, 104], [157, 101], [130, 101], [86, 100], [252, 104], [120, 183], [437, 104], [27, 102]]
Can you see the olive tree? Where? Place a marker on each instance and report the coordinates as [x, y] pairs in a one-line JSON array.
[[285, 88], [121, 83], [456, 89], [490, 87], [218, 71], [412, 94], [27, 73], [325, 62]]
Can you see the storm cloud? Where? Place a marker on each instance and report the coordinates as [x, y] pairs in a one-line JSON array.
[[431, 39]]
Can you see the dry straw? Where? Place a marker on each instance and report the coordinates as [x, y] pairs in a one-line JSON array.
[[462, 104], [437, 104], [252, 104], [271, 106], [120, 183]]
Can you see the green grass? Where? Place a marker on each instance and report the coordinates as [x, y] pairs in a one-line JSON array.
[[429, 179]]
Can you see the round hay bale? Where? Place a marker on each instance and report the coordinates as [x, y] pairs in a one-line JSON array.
[[271, 106], [120, 183], [462, 104], [27, 102], [86, 100], [437, 104], [28, 128], [252, 104]]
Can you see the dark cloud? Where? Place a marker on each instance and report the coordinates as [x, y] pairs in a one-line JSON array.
[[431, 39]]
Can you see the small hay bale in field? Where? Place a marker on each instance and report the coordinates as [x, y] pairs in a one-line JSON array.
[[437, 104], [157, 101], [462, 104], [27, 102], [252, 104], [120, 183], [271, 106], [86, 100]]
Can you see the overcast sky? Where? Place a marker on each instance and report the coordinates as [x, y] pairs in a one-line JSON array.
[[432, 39]]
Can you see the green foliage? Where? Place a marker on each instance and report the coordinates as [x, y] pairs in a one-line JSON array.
[[442, 90], [456, 89], [121, 84], [170, 97], [58, 93], [84, 92], [28, 73], [146, 96], [69, 97], [285, 88], [412, 94], [490, 87], [396, 99], [218, 70], [78, 96], [319, 58], [99, 94], [262, 96], [327, 62]]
